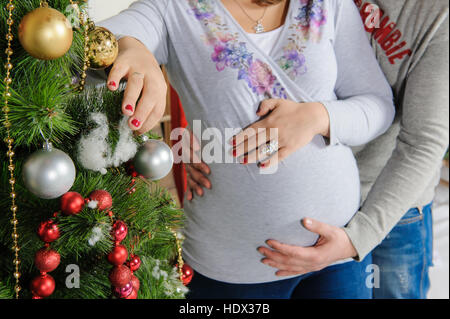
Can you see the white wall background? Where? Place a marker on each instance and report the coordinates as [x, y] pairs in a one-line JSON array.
[[102, 9]]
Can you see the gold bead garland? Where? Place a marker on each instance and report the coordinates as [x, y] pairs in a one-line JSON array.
[[83, 19], [10, 153], [180, 254]]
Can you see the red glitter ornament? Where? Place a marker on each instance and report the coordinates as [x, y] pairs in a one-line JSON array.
[[119, 231], [48, 231], [130, 169], [46, 259], [118, 255], [72, 203], [103, 199], [123, 292], [42, 285], [120, 276], [134, 263], [188, 273], [133, 295], [135, 283]]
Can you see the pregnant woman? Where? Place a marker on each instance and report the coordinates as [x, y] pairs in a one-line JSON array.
[[304, 67]]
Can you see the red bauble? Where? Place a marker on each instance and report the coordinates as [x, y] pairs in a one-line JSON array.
[[120, 276], [42, 286], [46, 259], [118, 255], [72, 203], [133, 295], [135, 283], [124, 292], [119, 231], [188, 273], [130, 169], [134, 263], [103, 199], [48, 231]]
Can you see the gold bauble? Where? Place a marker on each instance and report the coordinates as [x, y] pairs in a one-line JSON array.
[[45, 33], [103, 48]]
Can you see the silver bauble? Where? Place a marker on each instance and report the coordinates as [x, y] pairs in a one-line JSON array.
[[154, 160], [49, 173]]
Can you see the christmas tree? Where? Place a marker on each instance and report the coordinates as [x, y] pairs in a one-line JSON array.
[[76, 219]]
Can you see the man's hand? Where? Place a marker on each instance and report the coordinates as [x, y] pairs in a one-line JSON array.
[[145, 82], [196, 170], [333, 245]]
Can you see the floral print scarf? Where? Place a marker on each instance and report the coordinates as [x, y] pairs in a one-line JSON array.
[[229, 50]]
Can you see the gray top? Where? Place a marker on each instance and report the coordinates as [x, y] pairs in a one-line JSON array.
[[222, 76], [403, 165]]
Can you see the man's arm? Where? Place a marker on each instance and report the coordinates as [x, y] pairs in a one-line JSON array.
[[421, 144]]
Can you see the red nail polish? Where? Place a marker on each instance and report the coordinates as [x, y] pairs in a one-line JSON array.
[[112, 83], [234, 153], [262, 165], [129, 108], [244, 160], [234, 141], [136, 122]]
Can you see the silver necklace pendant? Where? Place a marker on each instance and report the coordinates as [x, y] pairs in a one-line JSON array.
[[259, 28]]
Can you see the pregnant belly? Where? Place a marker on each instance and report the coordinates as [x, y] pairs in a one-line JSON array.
[[245, 208]]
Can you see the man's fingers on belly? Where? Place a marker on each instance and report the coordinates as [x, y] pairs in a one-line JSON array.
[[195, 187], [275, 256], [194, 144], [198, 177], [283, 248], [194, 158], [277, 265], [203, 167], [302, 255], [189, 195]]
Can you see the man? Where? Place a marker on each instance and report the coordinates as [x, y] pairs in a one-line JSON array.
[[400, 170]]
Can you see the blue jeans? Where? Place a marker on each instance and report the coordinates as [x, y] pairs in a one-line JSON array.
[[343, 281], [405, 256]]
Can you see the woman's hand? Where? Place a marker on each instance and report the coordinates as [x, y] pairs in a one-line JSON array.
[[333, 245], [297, 124], [146, 83]]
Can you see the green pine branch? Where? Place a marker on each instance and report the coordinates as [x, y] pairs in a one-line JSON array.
[[43, 100]]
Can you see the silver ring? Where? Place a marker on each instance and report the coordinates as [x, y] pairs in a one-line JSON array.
[[269, 149]]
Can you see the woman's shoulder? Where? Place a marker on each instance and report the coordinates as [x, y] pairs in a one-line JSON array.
[[179, 6], [155, 5]]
